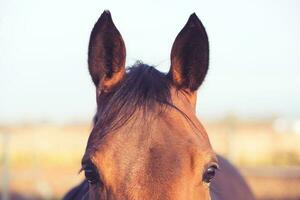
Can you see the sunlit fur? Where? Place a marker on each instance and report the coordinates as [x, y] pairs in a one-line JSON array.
[[146, 136], [147, 143]]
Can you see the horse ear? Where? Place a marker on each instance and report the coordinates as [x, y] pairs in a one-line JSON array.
[[189, 56], [107, 53]]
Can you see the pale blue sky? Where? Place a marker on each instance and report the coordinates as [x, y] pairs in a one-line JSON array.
[[254, 63]]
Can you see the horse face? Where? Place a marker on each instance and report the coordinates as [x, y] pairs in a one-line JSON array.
[[147, 142]]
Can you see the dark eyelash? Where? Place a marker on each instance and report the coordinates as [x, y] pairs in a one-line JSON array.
[[87, 164], [90, 172]]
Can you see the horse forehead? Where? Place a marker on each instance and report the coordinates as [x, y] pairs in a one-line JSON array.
[[161, 143], [166, 132], [162, 152], [139, 165]]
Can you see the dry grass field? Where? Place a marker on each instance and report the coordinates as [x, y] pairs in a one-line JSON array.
[[43, 160]]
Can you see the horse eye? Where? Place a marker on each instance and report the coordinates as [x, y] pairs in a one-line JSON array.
[[209, 174], [91, 175]]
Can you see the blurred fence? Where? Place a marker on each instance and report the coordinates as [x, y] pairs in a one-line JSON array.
[[5, 166]]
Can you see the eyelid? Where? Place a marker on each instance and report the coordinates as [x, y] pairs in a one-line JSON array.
[[215, 165], [212, 164], [86, 163]]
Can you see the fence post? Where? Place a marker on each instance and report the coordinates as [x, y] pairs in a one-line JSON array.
[[5, 166]]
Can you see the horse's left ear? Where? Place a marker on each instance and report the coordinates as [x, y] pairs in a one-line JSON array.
[[189, 56], [106, 56]]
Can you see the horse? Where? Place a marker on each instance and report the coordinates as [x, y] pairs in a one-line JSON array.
[[146, 142]]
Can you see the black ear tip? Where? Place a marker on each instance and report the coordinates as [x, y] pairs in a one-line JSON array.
[[194, 20], [106, 12], [105, 15], [193, 15]]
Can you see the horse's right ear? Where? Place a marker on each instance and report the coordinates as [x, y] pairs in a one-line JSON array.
[[107, 54]]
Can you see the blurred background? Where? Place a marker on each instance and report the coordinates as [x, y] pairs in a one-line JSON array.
[[249, 102]]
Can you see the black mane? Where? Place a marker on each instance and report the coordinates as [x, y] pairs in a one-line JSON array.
[[142, 88]]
